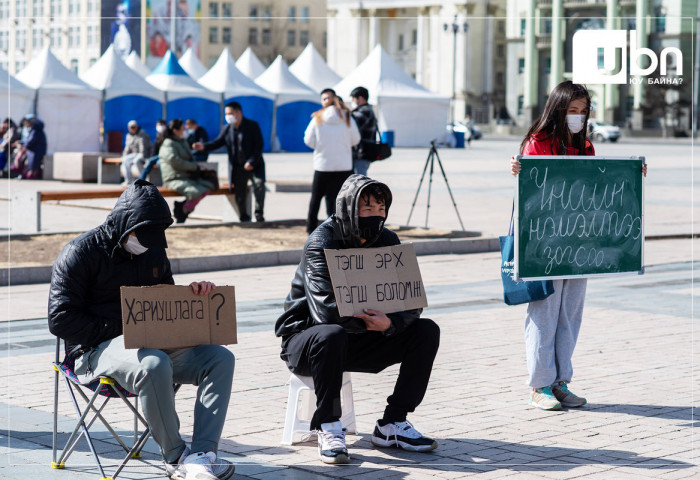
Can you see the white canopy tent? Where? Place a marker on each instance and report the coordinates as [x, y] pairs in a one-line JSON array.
[[135, 63], [312, 70], [234, 85], [127, 95], [185, 98], [249, 64], [415, 114], [17, 99], [69, 107], [191, 64], [294, 104]]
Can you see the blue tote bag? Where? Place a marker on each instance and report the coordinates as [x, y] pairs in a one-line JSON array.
[[515, 293]]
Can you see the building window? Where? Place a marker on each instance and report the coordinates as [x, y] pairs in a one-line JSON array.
[[92, 6], [36, 9], [253, 12], [660, 22], [521, 104], [213, 34], [266, 36], [36, 38], [4, 8], [522, 27], [499, 79], [19, 65], [547, 26], [21, 9], [226, 35], [91, 35], [92, 61], [303, 38], [71, 36], [400, 42], [501, 26], [521, 65], [547, 68], [55, 37], [4, 39], [73, 7], [414, 37], [304, 14], [292, 14], [500, 51], [21, 39], [213, 9], [226, 10], [55, 8], [291, 38], [267, 13], [253, 36], [74, 65]]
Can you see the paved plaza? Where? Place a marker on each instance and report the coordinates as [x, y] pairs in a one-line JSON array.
[[636, 359]]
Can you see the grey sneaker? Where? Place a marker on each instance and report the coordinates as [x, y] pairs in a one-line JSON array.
[[566, 397], [544, 399], [202, 466], [331, 443]]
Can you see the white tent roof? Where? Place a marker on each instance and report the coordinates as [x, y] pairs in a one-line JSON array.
[[20, 100], [46, 72], [171, 78], [312, 70], [249, 64], [226, 78], [191, 64], [279, 80], [397, 98], [383, 77], [135, 63], [112, 75], [69, 107]]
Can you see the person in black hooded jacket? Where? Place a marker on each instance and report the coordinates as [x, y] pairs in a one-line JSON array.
[[318, 342], [128, 249]]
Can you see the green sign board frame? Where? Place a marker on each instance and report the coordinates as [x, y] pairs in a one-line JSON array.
[[578, 216]]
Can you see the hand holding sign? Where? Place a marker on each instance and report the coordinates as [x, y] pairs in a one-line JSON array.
[[202, 288], [375, 320]]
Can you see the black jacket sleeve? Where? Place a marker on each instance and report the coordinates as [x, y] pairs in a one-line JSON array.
[[256, 145], [219, 141], [71, 280], [319, 291]]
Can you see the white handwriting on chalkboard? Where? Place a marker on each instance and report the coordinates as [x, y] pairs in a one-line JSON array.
[[582, 257], [582, 226], [163, 310], [574, 197]]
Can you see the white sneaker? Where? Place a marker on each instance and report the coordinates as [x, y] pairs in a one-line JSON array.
[[331, 443], [402, 435], [203, 466]]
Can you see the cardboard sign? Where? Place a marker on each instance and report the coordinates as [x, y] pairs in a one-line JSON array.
[[385, 279], [170, 316]]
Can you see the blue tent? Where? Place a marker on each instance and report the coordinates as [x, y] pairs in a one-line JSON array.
[[294, 104], [185, 98], [256, 102], [127, 96]]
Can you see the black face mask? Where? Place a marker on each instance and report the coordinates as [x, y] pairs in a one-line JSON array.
[[370, 226]]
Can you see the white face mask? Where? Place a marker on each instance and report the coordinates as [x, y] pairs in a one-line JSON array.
[[133, 246], [230, 119], [575, 122], [160, 128]]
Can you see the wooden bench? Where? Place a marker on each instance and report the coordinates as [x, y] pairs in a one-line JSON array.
[[26, 205]]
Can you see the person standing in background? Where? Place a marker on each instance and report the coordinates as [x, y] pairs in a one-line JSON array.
[[366, 123]]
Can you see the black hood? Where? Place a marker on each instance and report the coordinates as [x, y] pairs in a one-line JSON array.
[[139, 206], [346, 218]]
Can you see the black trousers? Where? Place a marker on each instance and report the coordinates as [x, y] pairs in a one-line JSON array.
[[324, 352], [240, 178], [325, 184]]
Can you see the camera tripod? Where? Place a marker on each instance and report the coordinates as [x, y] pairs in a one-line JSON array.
[[432, 155]]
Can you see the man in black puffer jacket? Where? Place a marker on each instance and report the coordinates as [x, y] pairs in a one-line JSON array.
[[318, 342], [128, 249]]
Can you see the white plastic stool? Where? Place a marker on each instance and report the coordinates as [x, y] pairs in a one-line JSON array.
[[298, 417]]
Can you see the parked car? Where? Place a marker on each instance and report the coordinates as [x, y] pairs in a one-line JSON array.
[[602, 132]]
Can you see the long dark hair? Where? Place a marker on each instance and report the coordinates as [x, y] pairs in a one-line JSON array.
[[175, 124], [552, 122]]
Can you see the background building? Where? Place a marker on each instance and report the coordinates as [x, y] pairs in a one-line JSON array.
[[539, 57], [454, 48]]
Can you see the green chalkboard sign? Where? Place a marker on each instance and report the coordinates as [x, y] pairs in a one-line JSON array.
[[578, 216]]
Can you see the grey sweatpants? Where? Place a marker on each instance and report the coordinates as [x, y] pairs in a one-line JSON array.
[[551, 331], [150, 374]]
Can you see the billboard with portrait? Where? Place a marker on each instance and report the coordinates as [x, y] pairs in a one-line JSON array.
[[187, 28], [121, 26]]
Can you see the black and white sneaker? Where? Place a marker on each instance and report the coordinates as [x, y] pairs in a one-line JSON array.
[[402, 435], [331, 443]]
